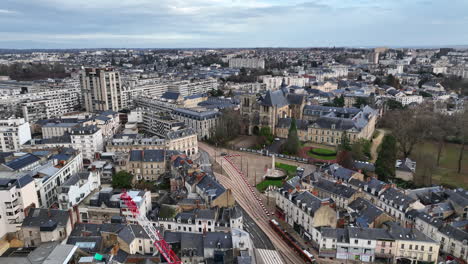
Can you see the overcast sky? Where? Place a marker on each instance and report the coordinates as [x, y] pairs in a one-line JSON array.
[[231, 23]]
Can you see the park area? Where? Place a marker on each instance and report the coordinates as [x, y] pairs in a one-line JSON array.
[[446, 173], [290, 172], [319, 154]]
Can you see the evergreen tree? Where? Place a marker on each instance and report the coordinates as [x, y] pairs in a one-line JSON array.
[[385, 164], [345, 144], [292, 143], [122, 179], [338, 101]]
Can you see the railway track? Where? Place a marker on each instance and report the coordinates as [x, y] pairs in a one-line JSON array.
[[247, 197]]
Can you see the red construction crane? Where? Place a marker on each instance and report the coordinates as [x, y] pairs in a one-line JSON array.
[[154, 234]]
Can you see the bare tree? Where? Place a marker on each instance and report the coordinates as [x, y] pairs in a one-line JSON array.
[[461, 121], [409, 126], [441, 128]]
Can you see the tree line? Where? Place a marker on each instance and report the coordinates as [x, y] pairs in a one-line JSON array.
[[33, 71]]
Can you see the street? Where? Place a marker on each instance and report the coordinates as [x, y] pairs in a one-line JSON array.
[[248, 199]]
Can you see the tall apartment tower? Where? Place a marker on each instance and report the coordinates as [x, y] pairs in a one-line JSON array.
[[101, 89]]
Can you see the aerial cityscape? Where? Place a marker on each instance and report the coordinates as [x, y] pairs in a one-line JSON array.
[[244, 132]]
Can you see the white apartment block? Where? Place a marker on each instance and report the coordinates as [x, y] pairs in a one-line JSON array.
[[101, 89], [13, 133], [16, 195], [77, 188], [52, 175], [408, 99], [275, 82], [247, 63], [187, 88], [62, 101], [88, 140]]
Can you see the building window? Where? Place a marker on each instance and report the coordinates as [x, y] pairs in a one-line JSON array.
[[355, 241], [368, 242], [402, 246]]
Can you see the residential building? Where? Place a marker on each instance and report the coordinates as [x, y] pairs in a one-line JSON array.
[[49, 252], [18, 195], [45, 225], [147, 165], [305, 212], [201, 120], [13, 133], [101, 89], [88, 140], [251, 63], [412, 244], [55, 172], [102, 205], [342, 194], [77, 188], [45, 106]]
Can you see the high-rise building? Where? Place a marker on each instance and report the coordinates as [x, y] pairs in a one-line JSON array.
[[101, 89]]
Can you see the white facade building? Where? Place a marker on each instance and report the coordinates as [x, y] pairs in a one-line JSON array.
[[78, 187], [16, 195], [13, 133], [88, 140], [247, 63]]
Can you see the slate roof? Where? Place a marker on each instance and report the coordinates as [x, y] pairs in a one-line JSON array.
[[211, 187], [311, 201], [336, 188], [170, 95], [373, 183], [429, 219], [365, 210], [286, 123], [85, 130], [131, 232], [458, 197], [397, 198], [38, 217], [338, 123], [192, 243], [21, 162], [341, 173], [274, 98], [368, 233], [148, 155], [180, 133], [319, 110], [217, 239], [401, 233], [296, 99], [364, 165], [455, 233]]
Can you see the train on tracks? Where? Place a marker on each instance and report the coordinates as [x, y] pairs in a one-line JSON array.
[[289, 239]]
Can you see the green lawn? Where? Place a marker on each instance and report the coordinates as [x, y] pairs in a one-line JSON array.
[[446, 173], [290, 171], [323, 151], [328, 154]]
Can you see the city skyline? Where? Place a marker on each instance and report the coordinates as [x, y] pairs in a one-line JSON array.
[[223, 24]]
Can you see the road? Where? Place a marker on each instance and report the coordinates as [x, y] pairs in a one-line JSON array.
[[248, 199], [259, 238], [204, 161], [376, 143]]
